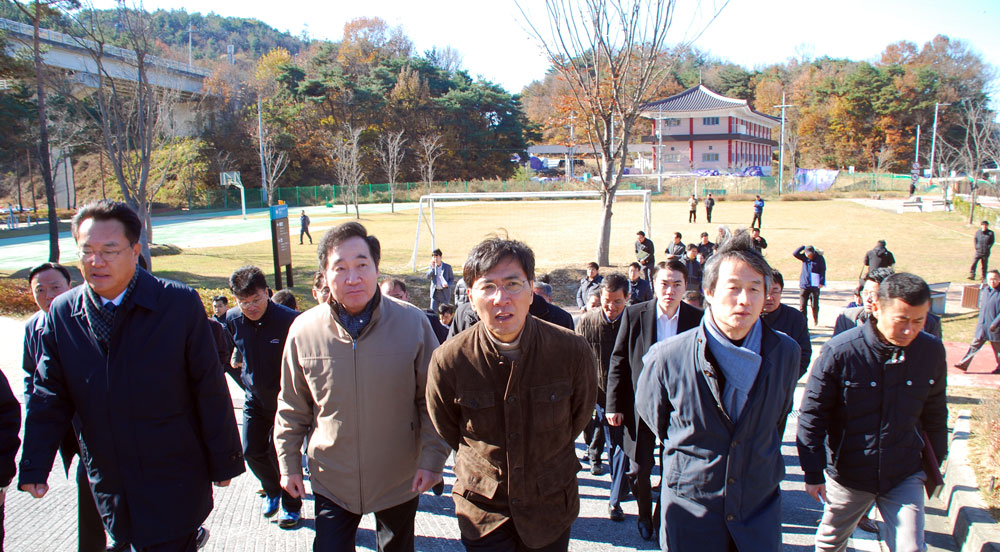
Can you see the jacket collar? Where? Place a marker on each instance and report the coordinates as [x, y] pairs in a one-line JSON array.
[[145, 294]]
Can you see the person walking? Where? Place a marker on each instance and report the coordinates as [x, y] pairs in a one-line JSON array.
[[988, 323], [709, 205], [259, 328], [693, 209], [645, 253], [758, 211], [984, 243], [442, 280], [352, 386], [812, 278], [886, 379], [304, 227], [875, 258], [130, 359]]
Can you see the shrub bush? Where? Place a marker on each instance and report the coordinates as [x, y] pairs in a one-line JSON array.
[[15, 297]]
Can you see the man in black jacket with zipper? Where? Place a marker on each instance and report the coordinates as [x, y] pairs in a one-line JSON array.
[[874, 396], [259, 329]]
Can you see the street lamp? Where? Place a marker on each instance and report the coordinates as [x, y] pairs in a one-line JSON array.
[[934, 137], [781, 148]]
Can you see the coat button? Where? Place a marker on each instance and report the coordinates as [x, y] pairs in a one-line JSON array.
[[552, 397], [736, 443], [908, 382], [511, 400], [932, 382], [730, 517], [873, 384], [731, 481]]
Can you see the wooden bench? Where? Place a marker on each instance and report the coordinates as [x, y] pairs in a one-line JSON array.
[[911, 207]]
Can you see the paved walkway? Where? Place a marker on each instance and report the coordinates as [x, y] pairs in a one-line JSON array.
[[49, 524]]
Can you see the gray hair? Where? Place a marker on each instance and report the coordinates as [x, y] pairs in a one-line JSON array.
[[739, 247], [544, 288]]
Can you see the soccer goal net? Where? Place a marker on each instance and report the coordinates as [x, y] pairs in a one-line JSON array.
[[425, 209]]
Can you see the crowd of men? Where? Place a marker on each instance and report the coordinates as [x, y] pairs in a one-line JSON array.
[[690, 363]]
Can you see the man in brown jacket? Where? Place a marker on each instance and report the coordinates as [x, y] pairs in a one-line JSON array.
[[352, 380], [510, 395]]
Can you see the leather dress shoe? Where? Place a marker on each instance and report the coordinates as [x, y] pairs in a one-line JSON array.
[[615, 513], [645, 530]]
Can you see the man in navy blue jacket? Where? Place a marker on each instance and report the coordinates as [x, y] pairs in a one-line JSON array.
[[715, 396], [132, 357], [811, 279], [259, 328]]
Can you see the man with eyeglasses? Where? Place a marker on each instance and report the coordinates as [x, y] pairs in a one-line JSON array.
[[643, 325], [884, 378], [510, 395], [131, 357], [352, 382], [259, 328], [856, 316]]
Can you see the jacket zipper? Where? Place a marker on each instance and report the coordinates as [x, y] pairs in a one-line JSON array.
[[357, 414]]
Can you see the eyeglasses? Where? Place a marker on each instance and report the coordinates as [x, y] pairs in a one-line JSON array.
[[511, 287], [259, 299], [106, 256]]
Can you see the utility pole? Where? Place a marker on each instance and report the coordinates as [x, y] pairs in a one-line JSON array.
[[781, 147], [260, 141], [916, 151], [190, 31], [934, 137], [659, 149]]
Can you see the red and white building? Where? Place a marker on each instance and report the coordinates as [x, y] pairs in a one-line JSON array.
[[700, 129]]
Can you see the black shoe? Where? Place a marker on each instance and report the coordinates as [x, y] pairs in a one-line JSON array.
[[961, 367], [995, 371], [597, 469], [868, 525], [645, 530], [438, 489], [201, 538], [615, 513]]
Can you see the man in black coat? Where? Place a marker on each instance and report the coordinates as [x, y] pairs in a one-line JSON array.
[[642, 326], [10, 425], [988, 324], [787, 320], [877, 257], [442, 279], [984, 243], [132, 357], [645, 253], [886, 378], [588, 284], [639, 289], [676, 249], [259, 328], [709, 205]]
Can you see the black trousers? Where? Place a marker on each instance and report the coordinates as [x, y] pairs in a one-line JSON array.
[[708, 214], [506, 539], [336, 527], [804, 296], [756, 219], [640, 471], [977, 343], [305, 232], [187, 543], [90, 528], [594, 436], [692, 216], [261, 458], [980, 259]]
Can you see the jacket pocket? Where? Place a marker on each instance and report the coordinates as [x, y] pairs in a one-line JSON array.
[[474, 474], [551, 405], [479, 411]]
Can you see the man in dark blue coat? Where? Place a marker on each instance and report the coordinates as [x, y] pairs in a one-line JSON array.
[[812, 278], [643, 325], [259, 328], [639, 289], [715, 396], [442, 279], [133, 358], [988, 325]]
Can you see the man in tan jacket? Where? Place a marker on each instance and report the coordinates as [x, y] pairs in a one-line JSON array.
[[511, 394], [352, 381]]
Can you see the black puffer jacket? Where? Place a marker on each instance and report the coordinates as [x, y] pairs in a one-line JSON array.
[[864, 407]]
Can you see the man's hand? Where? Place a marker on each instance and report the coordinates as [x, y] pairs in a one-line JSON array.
[[425, 479], [223, 483], [36, 490], [615, 419], [293, 485], [818, 492]]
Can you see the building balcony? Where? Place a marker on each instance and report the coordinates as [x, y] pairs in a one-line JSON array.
[[652, 139]]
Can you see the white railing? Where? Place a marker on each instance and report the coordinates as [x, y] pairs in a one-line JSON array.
[[56, 37]]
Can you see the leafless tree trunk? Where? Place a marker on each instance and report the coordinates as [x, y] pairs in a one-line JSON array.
[[346, 159], [390, 158], [977, 145], [430, 150], [34, 11], [611, 53], [275, 162]]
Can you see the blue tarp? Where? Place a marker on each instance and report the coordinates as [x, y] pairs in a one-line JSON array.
[[536, 164], [814, 180]]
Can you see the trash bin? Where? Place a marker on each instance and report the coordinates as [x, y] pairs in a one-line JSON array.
[[970, 296]]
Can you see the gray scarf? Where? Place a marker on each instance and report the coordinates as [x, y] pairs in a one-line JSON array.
[[739, 364], [102, 317]]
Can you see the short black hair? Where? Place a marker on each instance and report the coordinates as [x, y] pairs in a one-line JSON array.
[[615, 282], [394, 283], [285, 297], [704, 234], [343, 232], [222, 298], [672, 264], [593, 265], [908, 288], [691, 247], [640, 233], [319, 280], [994, 271], [436, 253], [446, 308], [881, 242], [491, 252], [678, 235], [106, 209], [693, 295], [878, 275], [986, 222], [49, 266], [634, 264], [777, 278], [739, 247], [246, 280]]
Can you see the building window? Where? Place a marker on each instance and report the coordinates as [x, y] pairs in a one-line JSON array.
[[708, 121], [710, 157], [671, 122], [672, 158], [709, 148]]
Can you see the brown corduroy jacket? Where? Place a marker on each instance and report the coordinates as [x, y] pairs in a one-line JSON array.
[[514, 425]]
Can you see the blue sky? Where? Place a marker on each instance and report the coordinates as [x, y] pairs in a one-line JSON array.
[[494, 42]]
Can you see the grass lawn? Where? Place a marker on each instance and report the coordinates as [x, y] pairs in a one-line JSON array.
[[563, 234]]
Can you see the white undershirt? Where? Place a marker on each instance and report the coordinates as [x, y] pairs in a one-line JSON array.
[[666, 326]]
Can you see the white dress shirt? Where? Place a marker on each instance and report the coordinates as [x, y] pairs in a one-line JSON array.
[[666, 326]]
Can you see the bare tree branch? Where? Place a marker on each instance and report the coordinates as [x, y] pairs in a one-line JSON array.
[[430, 150], [390, 157]]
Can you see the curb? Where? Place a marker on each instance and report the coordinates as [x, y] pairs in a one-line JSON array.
[[971, 524]]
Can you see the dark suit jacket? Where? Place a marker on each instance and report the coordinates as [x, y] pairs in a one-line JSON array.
[[447, 273], [636, 335], [156, 418]]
